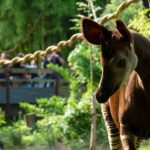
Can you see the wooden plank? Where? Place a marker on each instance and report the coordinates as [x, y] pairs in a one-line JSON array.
[[19, 93], [28, 70], [2, 95], [29, 94]]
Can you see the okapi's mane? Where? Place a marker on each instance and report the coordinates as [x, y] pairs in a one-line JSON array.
[[142, 50], [141, 44]]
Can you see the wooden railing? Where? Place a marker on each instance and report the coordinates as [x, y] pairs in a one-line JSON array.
[[15, 88]]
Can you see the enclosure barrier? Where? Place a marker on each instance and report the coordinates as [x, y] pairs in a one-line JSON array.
[[14, 85], [62, 44], [15, 88]]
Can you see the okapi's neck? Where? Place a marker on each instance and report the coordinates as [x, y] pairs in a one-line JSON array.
[[142, 49]]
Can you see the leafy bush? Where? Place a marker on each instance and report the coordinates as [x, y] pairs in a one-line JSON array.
[[2, 117], [78, 120], [12, 135], [79, 61], [52, 106], [141, 22], [126, 15], [70, 119], [64, 119]]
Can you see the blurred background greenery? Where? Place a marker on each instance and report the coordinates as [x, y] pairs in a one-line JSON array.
[[26, 26]]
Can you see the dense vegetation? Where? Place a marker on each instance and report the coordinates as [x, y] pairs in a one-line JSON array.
[[27, 25], [30, 25], [37, 24]]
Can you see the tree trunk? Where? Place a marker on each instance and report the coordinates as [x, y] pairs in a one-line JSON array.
[[93, 125], [94, 113]]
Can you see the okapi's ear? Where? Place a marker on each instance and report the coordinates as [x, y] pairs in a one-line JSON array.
[[124, 31], [94, 33]]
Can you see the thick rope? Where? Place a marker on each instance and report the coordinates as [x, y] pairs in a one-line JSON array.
[[114, 15], [40, 53], [63, 44]]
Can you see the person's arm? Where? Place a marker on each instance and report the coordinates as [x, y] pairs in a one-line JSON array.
[[61, 60]]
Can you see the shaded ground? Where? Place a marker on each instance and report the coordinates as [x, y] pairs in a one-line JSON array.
[[144, 146], [41, 147], [57, 147], [65, 148]]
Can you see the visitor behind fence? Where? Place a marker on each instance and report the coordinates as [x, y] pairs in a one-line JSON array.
[[30, 76], [3, 56], [18, 75], [54, 58]]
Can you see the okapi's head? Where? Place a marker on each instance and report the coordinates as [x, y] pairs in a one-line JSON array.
[[118, 58]]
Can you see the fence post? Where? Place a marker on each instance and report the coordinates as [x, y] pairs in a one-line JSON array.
[[7, 71], [57, 84]]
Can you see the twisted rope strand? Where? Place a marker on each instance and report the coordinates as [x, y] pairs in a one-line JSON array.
[[40, 53], [63, 44], [114, 15]]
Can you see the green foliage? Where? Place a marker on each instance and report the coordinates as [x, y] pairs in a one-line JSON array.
[[2, 117], [63, 119], [71, 119], [31, 108], [79, 61], [64, 72], [66, 121], [141, 22], [30, 25], [126, 15], [52, 106], [144, 148], [84, 10], [50, 128], [12, 135], [78, 120]]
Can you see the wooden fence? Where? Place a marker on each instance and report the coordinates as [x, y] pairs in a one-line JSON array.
[[15, 88]]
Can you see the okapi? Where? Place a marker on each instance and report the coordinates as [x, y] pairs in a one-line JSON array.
[[124, 88]]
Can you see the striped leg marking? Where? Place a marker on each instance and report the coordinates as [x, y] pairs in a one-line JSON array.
[[113, 133], [128, 140], [138, 142]]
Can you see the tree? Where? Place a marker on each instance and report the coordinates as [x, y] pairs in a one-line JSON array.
[[30, 25]]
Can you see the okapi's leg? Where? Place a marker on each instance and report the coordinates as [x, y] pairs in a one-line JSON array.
[[113, 132], [128, 140], [138, 142]]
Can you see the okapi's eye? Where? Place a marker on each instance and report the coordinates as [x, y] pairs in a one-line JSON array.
[[121, 63]]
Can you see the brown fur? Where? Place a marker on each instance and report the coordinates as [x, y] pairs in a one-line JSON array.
[[131, 103], [124, 87]]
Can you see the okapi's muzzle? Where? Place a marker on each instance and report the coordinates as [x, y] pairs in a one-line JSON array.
[[104, 92], [102, 97]]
